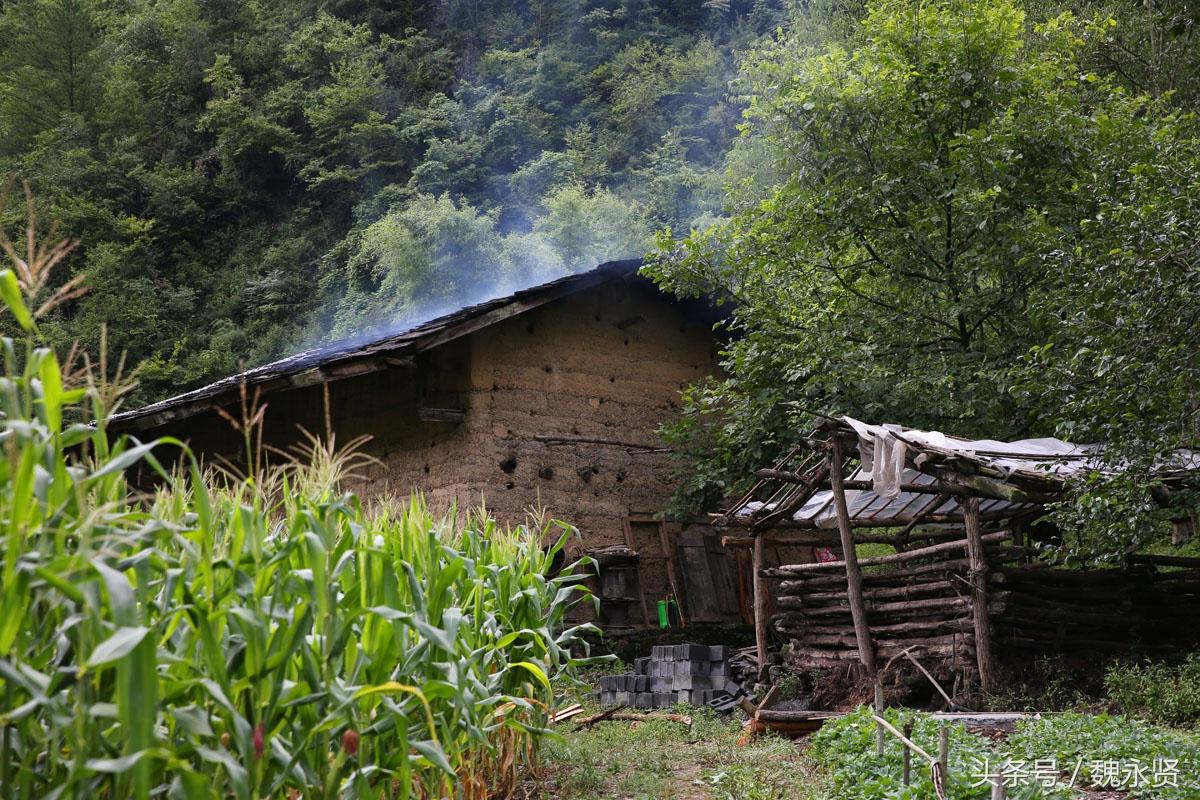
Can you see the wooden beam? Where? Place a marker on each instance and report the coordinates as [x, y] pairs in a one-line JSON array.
[[451, 415], [978, 572], [858, 611], [760, 602], [812, 482], [893, 558], [881, 521]]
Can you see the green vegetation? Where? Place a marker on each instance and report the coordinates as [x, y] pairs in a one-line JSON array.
[[1161, 692], [663, 759], [262, 636], [970, 225], [1062, 742], [248, 178]]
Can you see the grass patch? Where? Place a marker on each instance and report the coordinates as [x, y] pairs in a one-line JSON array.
[[1070, 751], [662, 759]]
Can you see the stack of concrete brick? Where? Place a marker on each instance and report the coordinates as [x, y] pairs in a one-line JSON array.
[[691, 674]]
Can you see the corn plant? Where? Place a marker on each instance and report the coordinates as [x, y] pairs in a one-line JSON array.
[[267, 637]]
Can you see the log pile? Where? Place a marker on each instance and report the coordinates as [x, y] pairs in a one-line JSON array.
[[916, 599], [921, 600], [1108, 610]]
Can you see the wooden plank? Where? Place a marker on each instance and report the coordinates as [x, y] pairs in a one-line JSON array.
[[719, 566], [632, 545], [451, 415], [698, 582], [668, 553], [858, 611]]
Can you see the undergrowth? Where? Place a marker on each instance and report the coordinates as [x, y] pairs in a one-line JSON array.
[[1056, 756], [1159, 691], [665, 759]]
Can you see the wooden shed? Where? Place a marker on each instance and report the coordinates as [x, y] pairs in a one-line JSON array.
[[963, 584]]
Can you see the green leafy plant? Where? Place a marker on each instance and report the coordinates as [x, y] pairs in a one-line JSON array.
[[1162, 692], [261, 637]]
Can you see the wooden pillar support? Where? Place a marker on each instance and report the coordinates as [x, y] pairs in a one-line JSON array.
[[979, 594], [760, 601], [858, 610]]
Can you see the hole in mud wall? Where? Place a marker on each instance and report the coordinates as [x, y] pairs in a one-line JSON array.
[[508, 466], [546, 473]]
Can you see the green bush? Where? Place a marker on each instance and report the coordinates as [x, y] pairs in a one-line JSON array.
[[256, 638], [1074, 750], [1161, 692]]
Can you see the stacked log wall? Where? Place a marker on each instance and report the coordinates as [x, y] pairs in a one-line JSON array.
[[922, 603]]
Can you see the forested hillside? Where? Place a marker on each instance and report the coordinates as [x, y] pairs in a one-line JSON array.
[[247, 178]]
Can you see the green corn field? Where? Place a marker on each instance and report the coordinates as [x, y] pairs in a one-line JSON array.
[[257, 637]]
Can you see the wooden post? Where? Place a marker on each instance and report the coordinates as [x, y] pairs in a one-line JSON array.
[[858, 611], [979, 594], [906, 771], [941, 777], [998, 789], [879, 741], [760, 601], [944, 750]]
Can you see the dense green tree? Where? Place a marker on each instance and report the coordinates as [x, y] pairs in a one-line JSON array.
[[938, 182], [230, 167]]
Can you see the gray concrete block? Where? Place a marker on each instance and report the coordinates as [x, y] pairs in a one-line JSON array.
[[640, 665], [718, 652], [643, 700]]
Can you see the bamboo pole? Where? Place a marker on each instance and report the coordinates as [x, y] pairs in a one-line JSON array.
[[979, 594], [760, 602], [858, 611]]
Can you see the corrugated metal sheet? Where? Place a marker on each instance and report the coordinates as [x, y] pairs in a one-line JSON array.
[[864, 505]]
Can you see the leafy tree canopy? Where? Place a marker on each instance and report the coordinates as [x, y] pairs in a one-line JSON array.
[[964, 227]]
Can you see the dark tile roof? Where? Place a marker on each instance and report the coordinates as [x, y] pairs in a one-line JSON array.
[[345, 359]]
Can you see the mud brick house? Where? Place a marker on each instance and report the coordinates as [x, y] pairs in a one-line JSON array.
[[550, 396]]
